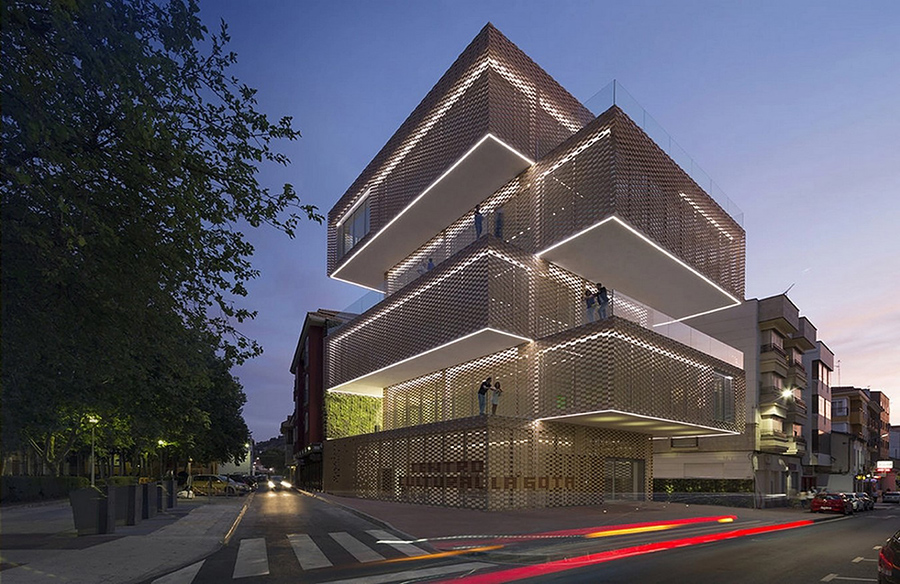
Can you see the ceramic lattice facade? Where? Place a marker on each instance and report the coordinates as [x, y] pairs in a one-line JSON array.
[[487, 220]]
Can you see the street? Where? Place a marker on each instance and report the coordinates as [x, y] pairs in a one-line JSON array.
[[286, 536]]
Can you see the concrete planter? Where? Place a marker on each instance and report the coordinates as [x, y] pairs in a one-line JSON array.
[[129, 505], [94, 510], [150, 500]]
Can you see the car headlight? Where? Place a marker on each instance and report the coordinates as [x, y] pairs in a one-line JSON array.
[[286, 484], [271, 485]]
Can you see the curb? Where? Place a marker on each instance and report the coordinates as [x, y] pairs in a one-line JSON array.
[[237, 519], [379, 522]]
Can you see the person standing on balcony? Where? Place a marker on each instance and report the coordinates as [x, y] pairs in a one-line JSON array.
[[479, 221], [430, 265], [589, 300], [482, 395], [602, 300], [495, 398]]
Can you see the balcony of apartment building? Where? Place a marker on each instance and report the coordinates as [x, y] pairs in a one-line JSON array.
[[485, 121]]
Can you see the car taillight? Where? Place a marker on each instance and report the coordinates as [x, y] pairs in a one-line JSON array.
[[886, 561]]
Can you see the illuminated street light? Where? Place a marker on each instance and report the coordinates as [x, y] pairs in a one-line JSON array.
[[787, 393]]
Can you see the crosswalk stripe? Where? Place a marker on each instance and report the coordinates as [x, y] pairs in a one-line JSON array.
[[251, 558], [406, 548], [185, 575], [412, 575], [358, 549], [308, 553]]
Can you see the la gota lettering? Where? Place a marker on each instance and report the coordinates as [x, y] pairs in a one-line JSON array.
[[469, 474]]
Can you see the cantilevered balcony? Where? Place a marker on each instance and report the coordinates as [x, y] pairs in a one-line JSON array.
[[609, 205], [615, 374], [463, 309], [483, 169]]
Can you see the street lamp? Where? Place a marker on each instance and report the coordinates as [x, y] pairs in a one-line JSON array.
[[92, 420]]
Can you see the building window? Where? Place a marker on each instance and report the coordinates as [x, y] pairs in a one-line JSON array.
[[723, 397], [306, 389], [353, 227], [839, 408]]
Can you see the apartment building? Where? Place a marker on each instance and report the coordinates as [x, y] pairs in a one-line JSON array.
[[879, 426], [819, 364], [304, 429], [766, 462], [488, 221]]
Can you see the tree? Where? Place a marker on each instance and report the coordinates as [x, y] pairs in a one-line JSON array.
[[129, 170]]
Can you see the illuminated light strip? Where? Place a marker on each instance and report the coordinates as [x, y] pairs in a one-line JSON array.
[[432, 350], [575, 152], [478, 68], [628, 339], [683, 318], [658, 248], [705, 216], [719, 431], [387, 310], [447, 554], [356, 284], [423, 193], [538, 570], [353, 208]]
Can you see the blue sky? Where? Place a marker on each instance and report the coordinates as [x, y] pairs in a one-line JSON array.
[[793, 108]]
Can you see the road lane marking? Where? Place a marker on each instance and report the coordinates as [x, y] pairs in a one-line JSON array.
[[358, 549], [862, 559], [406, 548], [185, 575], [251, 559], [831, 577], [308, 553], [413, 575]]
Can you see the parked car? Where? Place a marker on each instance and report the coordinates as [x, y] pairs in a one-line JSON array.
[[890, 497], [858, 505], [835, 502], [244, 484], [868, 501], [212, 485], [889, 561]]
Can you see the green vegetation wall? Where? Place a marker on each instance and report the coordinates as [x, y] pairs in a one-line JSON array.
[[347, 414]]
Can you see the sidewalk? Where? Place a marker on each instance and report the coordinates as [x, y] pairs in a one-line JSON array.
[[39, 542]]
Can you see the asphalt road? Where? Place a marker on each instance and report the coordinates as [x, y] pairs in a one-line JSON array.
[[844, 550], [289, 537]]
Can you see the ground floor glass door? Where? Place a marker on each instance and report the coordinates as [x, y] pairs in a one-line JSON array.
[[623, 478]]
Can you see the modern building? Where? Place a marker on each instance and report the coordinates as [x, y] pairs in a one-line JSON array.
[[487, 219], [304, 428], [879, 426]]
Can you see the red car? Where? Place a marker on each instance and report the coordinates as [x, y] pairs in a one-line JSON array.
[[889, 561], [836, 502]]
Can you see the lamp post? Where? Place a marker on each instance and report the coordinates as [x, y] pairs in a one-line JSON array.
[[92, 420]]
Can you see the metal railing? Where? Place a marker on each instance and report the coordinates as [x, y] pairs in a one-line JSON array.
[[615, 94]]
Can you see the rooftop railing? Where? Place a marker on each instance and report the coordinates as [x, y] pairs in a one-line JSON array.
[[615, 94]]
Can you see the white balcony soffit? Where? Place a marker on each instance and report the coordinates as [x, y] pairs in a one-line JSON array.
[[481, 343], [622, 258], [629, 422], [486, 167]]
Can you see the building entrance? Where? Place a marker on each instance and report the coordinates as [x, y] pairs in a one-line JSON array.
[[623, 478]]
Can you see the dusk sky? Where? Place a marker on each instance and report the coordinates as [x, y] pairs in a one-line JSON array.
[[793, 108]]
